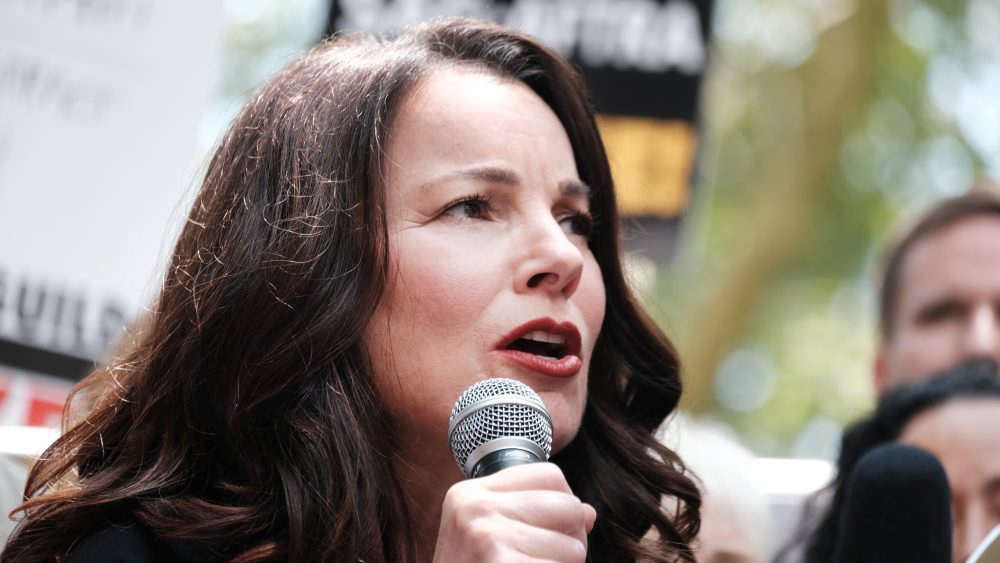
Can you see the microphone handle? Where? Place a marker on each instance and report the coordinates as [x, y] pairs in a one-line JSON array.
[[502, 459]]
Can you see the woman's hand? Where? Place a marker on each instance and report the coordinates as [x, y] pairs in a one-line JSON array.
[[523, 513]]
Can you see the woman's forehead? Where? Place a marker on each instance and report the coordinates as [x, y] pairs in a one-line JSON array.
[[957, 420]]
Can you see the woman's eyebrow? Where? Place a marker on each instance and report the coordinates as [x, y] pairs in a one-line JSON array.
[[506, 176], [574, 188], [486, 174]]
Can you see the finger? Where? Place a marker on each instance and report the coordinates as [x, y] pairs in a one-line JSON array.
[[533, 476], [590, 517], [476, 520], [559, 512], [547, 545]]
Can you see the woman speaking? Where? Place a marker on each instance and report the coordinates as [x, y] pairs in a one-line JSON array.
[[388, 222]]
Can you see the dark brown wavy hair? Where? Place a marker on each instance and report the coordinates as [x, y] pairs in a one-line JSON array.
[[244, 419]]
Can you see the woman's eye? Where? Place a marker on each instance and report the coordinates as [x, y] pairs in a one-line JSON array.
[[579, 224], [471, 207]]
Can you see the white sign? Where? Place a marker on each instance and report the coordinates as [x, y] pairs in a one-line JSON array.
[[100, 103]]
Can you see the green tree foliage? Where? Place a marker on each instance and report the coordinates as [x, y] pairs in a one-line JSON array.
[[827, 123]]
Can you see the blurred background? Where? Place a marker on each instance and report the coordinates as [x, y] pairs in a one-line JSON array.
[[764, 164]]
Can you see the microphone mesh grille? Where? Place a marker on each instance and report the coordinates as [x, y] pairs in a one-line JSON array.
[[487, 417]]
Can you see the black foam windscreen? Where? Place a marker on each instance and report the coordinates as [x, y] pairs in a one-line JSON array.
[[897, 507]]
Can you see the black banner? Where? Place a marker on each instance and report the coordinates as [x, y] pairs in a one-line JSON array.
[[642, 58]]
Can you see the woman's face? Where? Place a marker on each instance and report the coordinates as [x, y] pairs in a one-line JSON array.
[[963, 434], [491, 273]]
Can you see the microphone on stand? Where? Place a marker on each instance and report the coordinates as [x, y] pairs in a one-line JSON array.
[[498, 423]]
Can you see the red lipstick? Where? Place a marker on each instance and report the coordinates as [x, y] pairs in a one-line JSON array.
[[544, 346]]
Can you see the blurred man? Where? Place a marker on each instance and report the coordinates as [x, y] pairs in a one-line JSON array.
[[940, 295]]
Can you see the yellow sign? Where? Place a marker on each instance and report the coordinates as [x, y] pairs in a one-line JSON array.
[[651, 162]]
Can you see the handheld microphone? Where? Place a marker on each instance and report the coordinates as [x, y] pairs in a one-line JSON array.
[[897, 508], [498, 423]]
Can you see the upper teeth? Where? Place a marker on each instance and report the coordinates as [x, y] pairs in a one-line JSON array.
[[541, 336]]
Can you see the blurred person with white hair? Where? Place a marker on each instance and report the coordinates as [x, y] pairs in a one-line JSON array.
[[735, 521]]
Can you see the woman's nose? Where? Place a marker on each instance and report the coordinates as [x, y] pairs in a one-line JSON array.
[[551, 260], [974, 528], [983, 336]]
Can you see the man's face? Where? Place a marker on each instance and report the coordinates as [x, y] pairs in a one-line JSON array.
[[947, 304]]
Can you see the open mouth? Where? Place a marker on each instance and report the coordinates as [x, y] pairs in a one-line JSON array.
[[544, 347], [541, 343]]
